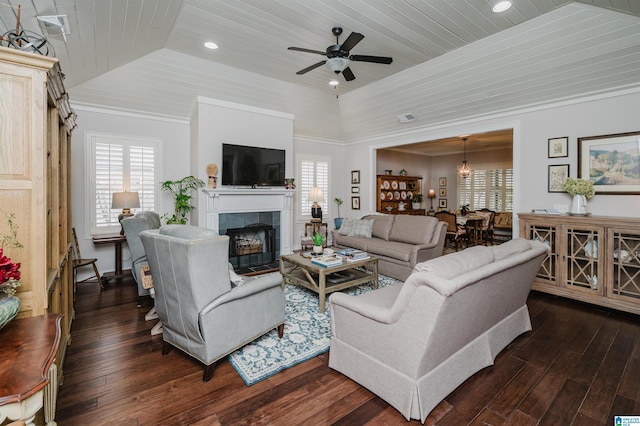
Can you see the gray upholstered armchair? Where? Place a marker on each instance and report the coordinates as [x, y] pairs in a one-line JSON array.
[[202, 312], [132, 227]]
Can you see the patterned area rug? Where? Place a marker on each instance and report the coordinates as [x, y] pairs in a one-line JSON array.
[[307, 334]]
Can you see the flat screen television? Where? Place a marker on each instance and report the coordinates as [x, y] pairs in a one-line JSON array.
[[252, 166]]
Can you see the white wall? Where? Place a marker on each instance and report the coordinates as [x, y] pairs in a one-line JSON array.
[[532, 129], [216, 122], [174, 135]]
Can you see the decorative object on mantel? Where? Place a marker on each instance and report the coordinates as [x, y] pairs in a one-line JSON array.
[[181, 192], [581, 190], [338, 220], [388, 172], [403, 172], [9, 273], [289, 183], [212, 171]]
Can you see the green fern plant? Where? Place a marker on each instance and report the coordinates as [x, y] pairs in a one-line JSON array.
[[181, 191]]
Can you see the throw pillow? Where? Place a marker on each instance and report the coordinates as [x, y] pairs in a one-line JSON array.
[[347, 225], [361, 228]]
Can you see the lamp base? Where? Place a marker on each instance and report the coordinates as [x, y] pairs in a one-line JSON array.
[[316, 214], [122, 216]]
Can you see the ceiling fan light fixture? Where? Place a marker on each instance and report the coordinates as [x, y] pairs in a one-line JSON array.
[[210, 45], [334, 83], [501, 6], [337, 64]]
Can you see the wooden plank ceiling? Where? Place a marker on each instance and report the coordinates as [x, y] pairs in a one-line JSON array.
[[451, 58]]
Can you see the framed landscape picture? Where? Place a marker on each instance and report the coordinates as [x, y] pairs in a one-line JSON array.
[[558, 174], [611, 162]]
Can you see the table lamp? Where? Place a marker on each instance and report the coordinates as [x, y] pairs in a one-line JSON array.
[[125, 201], [431, 194], [316, 196]]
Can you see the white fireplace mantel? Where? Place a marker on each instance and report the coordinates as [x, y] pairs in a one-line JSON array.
[[244, 200]]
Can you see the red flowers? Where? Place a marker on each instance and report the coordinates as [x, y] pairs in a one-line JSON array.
[[9, 275]]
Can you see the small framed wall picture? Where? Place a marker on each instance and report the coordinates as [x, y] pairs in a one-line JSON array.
[[558, 147], [355, 177], [355, 203], [355, 189], [443, 192], [442, 181], [442, 203], [558, 174]]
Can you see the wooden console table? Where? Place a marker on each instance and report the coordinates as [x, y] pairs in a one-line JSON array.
[[117, 241], [28, 378]]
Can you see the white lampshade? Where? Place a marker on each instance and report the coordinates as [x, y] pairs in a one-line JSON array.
[[316, 195], [125, 200]]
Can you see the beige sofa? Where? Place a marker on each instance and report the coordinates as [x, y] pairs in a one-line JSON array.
[[398, 241], [413, 343]]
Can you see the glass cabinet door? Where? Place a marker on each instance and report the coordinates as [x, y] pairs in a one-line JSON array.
[[583, 256], [624, 252], [547, 235]]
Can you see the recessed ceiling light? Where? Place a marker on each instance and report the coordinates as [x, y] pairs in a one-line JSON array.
[[501, 6], [334, 82], [211, 45]]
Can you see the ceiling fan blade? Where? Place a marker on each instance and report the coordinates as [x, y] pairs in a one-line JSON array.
[[301, 49], [351, 41], [312, 67], [348, 74], [376, 59]]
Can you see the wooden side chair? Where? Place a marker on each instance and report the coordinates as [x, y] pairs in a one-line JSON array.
[[79, 262], [487, 225], [455, 233]]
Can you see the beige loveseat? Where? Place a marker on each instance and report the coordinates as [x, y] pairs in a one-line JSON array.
[[398, 241], [413, 343]]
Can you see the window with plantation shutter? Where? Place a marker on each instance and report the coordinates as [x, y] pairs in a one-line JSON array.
[[491, 189], [116, 164], [313, 171]]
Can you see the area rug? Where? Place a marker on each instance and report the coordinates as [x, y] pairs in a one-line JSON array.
[[307, 334]]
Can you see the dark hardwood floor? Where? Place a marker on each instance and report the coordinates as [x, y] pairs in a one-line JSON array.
[[579, 366]]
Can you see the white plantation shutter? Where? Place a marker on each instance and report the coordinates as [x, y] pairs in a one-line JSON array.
[[313, 171], [492, 189], [117, 164]]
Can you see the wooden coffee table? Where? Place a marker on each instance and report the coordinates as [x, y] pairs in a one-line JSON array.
[[296, 269]]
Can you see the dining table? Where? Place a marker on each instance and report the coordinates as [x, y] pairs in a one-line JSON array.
[[473, 225]]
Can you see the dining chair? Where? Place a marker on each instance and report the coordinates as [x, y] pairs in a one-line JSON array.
[[455, 232], [488, 223], [79, 262]]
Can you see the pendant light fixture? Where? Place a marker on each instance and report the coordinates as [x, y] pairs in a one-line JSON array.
[[464, 171]]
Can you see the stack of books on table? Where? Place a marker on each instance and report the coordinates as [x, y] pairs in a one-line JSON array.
[[352, 255], [327, 261]]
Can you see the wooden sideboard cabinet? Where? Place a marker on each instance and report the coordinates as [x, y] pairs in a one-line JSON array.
[[393, 190], [594, 259], [36, 121]]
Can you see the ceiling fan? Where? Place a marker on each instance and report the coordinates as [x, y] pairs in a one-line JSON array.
[[338, 56]]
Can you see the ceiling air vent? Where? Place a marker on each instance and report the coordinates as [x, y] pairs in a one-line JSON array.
[[406, 118], [54, 25]]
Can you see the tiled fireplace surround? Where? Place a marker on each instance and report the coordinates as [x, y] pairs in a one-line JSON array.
[[236, 208]]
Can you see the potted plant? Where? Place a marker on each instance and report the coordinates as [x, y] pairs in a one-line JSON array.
[[181, 192], [338, 220], [464, 209], [581, 190], [318, 240], [416, 200]]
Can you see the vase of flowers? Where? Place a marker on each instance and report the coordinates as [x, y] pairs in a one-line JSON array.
[[581, 190], [9, 273]]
